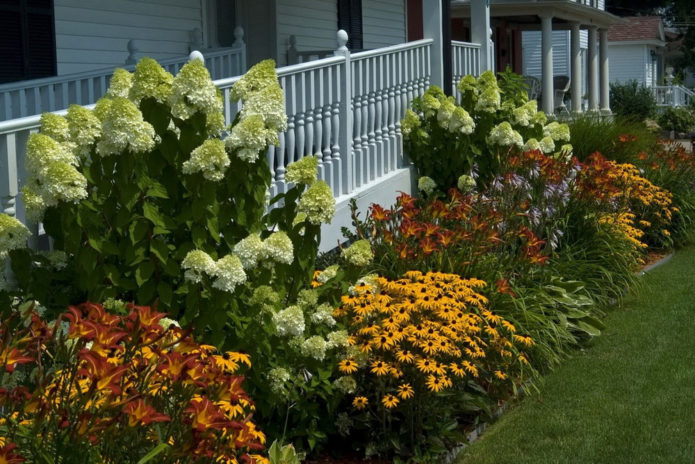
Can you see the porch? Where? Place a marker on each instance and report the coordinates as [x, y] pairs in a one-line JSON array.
[[345, 110]]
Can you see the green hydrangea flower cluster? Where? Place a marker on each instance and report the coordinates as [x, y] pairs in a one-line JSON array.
[[359, 253], [318, 203], [150, 80], [210, 159], [302, 171], [426, 184], [13, 235], [227, 271], [505, 136]]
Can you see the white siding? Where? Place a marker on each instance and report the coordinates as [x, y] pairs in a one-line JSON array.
[[532, 59], [94, 34], [383, 23], [313, 22], [628, 62]]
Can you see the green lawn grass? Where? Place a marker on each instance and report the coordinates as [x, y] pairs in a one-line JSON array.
[[629, 398]]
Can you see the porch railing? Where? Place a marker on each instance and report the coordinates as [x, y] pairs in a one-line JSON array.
[[36, 96], [465, 59], [673, 95], [345, 110]]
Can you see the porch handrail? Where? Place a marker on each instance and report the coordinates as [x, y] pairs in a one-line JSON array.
[[673, 95], [35, 96]]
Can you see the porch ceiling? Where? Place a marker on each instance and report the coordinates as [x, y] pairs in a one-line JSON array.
[[526, 14]]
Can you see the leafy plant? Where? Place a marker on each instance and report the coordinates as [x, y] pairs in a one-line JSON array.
[[632, 100], [678, 119]]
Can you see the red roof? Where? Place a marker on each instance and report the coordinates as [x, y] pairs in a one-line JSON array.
[[636, 28]]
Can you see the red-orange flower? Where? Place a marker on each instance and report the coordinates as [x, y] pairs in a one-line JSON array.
[[10, 357], [8, 456], [206, 415], [139, 412]]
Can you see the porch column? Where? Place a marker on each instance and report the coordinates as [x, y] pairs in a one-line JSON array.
[[593, 70], [577, 78], [480, 32], [547, 55], [432, 29], [605, 81]]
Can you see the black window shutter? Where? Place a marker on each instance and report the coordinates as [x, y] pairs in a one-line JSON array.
[[27, 40], [350, 20]]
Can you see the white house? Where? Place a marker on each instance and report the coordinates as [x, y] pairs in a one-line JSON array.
[[635, 50]]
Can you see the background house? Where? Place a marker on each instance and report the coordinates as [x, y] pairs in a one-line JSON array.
[[636, 50]]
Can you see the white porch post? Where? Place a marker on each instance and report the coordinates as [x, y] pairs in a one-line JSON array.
[[577, 78], [605, 86], [547, 55], [480, 32], [593, 70], [432, 28]]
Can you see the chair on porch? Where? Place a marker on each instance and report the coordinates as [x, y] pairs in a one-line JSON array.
[[534, 87], [561, 84]]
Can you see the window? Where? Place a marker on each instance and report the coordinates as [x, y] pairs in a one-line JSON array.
[[350, 20], [27, 40]]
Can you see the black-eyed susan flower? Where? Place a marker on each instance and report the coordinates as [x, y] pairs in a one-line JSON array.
[[390, 401], [405, 356], [360, 402], [405, 391], [500, 375], [380, 368], [435, 383], [425, 365], [457, 370], [347, 366]]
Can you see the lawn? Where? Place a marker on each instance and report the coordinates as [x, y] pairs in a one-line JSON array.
[[628, 398]]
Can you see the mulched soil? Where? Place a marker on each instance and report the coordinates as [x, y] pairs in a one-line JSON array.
[[654, 256]]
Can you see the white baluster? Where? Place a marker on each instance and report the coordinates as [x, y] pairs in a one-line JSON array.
[[326, 142], [392, 113], [335, 148]]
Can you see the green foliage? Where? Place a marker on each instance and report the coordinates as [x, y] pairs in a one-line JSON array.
[[678, 119], [446, 139], [282, 454], [632, 100], [591, 134]]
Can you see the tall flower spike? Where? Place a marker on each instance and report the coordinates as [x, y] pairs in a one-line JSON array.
[[55, 126], [85, 128], [256, 79], [120, 84]]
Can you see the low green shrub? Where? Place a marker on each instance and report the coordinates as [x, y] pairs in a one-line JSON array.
[[632, 100], [678, 119], [620, 139]]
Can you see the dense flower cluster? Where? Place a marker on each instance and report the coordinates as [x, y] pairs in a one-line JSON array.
[[424, 333], [317, 203], [13, 235], [504, 135], [302, 171], [359, 253], [84, 127], [150, 80], [106, 375], [210, 159], [192, 90], [123, 128], [120, 84], [426, 184], [227, 272]]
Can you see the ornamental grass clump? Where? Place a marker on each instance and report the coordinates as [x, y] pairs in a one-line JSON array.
[[94, 387], [425, 347]]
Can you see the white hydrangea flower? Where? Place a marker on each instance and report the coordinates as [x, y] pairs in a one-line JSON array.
[[279, 248], [193, 91], [338, 339], [547, 145], [55, 126], [532, 144], [210, 159], [289, 321], [150, 80], [307, 298], [314, 347], [228, 273], [539, 118], [167, 323], [430, 104], [13, 234], [566, 151], [278, 376], [250, 251], [503, 135], [426, 184], [558, 132], [120, 84], [317, 203], [196, 263], [410, 123], [346, 384], [255, 80], [359, 253], [303, 171], [269, 104], [445, 113], [489, 100], [34, 204], [53, 182], [85, 128], [101, 108], [323, 315], [123, 128], [525, 114], [466, 183], [250, 137], [328, 273], [461, 121]]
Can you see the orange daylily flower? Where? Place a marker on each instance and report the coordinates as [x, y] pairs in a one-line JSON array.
[[139, 412]]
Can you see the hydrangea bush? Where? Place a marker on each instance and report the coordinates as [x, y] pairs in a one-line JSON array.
[[446, 138], [152, 199]]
